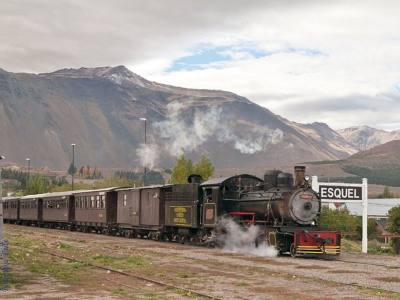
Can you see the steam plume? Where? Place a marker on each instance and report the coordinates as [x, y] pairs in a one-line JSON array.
[[238, 239]]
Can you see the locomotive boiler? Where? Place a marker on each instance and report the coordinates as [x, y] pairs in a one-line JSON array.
[[279, 200]]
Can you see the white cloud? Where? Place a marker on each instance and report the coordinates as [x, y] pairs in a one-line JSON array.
[[358, 42]]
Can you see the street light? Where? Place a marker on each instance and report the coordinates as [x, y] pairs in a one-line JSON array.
[[73, 165], [1, 206], [28, 160], [145, 140]]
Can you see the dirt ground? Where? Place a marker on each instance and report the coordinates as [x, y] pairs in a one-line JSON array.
[[35, 274]]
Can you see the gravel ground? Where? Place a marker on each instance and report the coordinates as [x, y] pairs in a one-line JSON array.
[[227, 275]]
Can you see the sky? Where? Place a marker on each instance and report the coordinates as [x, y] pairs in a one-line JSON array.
[[336, 62]]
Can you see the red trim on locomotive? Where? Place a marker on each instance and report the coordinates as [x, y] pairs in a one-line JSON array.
[[316, 242], [238, 215]]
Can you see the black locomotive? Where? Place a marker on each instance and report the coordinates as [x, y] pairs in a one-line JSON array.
[[285, 210]]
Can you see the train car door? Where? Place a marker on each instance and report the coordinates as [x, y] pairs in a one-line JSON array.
[[210, 211], [39, 209]]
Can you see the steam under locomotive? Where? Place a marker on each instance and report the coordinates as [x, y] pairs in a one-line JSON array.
[[286, 210]]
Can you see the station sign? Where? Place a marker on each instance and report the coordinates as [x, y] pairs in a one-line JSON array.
[[340, 192], [334, 192]]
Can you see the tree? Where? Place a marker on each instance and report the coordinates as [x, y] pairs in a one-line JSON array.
[[204, 168], [72, 169], [37, 184], [386, 193], [394, 219], [394, 226], [183, 168]]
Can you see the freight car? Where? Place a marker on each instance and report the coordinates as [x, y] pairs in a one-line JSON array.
[[286, 211]]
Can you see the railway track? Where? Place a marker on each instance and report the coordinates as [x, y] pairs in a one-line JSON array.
[[146, 279], [366, 263], [321, 258]]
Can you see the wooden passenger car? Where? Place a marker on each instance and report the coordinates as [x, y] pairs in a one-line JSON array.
[[31, 208], [141, 207], [59, 207], [96, 208], [11, 209]]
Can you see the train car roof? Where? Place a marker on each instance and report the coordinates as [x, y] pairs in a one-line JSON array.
[[144, 187], [33, 196], [95, 190], [10, 198], [59, 194], [221, 180]]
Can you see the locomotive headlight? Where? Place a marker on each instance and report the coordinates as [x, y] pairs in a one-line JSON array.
[[307, 178]]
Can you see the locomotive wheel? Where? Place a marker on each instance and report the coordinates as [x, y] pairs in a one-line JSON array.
[[293, 250]]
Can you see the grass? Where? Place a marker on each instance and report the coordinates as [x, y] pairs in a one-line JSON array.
[[65, 247], [16, 280], [27, 253], [130, 262]]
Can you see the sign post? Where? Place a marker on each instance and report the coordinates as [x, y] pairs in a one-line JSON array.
[[331, 192]]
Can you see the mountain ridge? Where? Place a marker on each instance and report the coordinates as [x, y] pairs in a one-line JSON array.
[[366, 137], [99, 109]]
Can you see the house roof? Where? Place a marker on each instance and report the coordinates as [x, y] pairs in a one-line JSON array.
[[376, 207]]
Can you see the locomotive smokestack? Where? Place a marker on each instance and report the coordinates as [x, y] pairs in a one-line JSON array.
[[300, 173]]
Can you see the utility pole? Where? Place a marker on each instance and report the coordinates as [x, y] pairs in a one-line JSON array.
[[73, 165], [1, 206], [145, 142], [3, 242], [29, 172]]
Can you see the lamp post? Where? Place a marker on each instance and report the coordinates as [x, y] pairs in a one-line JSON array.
[[28, 160], [145, 140], [73, 165], [1, 206]]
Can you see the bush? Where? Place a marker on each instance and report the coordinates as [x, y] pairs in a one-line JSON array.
[[394, 226], [341, 220]]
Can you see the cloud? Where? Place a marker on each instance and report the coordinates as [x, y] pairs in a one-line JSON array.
[[305, 60]]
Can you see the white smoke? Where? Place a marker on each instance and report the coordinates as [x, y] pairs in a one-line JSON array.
[[186, 136], [179, 134], [183, 136], [148, 155], [238, 239]]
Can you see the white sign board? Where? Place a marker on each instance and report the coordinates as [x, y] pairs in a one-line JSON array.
[[331, 192]]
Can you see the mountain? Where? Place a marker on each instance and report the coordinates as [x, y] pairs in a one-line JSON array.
[[364, 137], [99, 109]]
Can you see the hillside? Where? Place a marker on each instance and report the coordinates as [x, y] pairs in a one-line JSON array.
[[381, 165], [99, 109]]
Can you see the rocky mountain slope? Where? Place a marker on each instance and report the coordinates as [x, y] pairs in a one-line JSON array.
[[99, 109], [364, 137]]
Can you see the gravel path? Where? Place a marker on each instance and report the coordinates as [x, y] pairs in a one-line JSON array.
[[239, 276]]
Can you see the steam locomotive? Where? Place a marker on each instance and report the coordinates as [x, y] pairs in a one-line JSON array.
[[286, 211]]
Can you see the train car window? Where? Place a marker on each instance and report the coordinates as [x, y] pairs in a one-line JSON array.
[[103, 202], [98, 202], [125, 197]]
